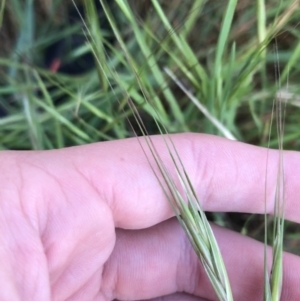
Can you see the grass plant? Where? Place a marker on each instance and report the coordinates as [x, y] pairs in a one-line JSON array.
[[273, 283], [205, 66]]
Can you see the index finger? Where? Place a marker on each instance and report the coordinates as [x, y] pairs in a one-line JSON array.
[[228, 176]]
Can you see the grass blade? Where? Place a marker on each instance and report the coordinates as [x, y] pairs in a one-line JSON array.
[[2, 10]]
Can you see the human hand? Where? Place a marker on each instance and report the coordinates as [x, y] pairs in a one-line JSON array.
[[92, 223]]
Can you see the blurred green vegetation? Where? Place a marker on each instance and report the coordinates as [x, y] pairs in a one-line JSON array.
[[65, 82]]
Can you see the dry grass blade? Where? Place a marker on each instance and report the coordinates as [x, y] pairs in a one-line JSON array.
[[284, 96], [201, 107]]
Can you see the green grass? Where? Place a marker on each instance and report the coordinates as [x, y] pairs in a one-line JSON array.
[[201, 66], [228, 69]]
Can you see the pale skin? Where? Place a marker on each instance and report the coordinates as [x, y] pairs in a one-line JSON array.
[[67, 219]]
